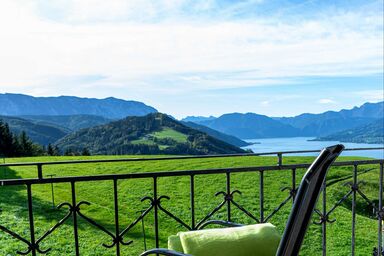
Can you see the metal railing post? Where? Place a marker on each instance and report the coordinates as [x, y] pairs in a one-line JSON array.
[[156, 215], [261, 195], [74, 217], [40, 171], [324, 221], [116, 207], [354, 190], [52, 191], [31, 222], [280, 159], [293, 184], [228, 186], [192, 198], [380, 213]]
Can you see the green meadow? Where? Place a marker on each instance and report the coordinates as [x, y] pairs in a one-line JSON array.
[[14, 214], [170, 133]]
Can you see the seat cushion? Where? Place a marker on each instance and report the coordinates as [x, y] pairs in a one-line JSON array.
[[174, 243], [257, 240]]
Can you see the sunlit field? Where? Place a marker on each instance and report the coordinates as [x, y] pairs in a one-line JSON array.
[[14, 215]]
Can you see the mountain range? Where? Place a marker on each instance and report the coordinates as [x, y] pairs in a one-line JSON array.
[[197, 119], [331, 121], [46, 128], [369, 133], [250, 126], [49, 120], [112, 108], [253, 126]]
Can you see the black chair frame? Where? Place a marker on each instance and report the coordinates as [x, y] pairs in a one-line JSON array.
[[302, 209]]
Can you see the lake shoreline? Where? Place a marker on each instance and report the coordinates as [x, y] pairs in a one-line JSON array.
[[308, 143]]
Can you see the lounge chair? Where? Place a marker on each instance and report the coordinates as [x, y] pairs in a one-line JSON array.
[[299, 218]]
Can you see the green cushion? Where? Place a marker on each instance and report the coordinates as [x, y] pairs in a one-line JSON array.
[[174, 243], [257, 240]]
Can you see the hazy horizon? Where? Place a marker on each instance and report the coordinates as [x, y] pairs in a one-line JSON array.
[[197, 114]]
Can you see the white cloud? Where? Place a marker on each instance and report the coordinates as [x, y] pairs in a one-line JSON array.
[[37, 52], [326, 101], [371, 95]]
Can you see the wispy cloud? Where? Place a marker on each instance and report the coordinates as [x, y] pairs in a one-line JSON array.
[[178, 46], [371, 95], [326, 101], [265, 103]]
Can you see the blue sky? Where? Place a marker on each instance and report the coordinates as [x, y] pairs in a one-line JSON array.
[[184, 57]]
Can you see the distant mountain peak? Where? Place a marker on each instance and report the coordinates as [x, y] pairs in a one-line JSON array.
[[250, 126], [331, 122], [20, 104], [368, 133], [197, 119]]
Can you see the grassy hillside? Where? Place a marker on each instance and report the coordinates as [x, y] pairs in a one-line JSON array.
[[218, 135], [370, 133], [71, 122], [170, 133], [151, 134], [100, 195], [39, 132]]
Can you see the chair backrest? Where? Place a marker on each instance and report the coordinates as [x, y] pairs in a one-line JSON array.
[[305, 201]]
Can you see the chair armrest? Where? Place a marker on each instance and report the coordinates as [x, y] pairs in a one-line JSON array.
[[162, 251]]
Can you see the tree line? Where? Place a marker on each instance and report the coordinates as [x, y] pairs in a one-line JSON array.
[[20, 145], [12, 145]]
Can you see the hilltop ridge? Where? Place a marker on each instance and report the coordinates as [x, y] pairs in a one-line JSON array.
[[154, 133], [22, 105], [251, 125]]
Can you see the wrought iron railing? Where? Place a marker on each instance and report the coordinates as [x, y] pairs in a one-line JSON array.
[[118, 237]]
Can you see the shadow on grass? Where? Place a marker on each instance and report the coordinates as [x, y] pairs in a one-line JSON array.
[[363, 207], [14, 205]]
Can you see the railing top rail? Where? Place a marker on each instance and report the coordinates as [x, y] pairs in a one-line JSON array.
[[140, 159], [9, 182]]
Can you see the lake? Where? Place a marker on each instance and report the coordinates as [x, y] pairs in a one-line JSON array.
[[303, 143]]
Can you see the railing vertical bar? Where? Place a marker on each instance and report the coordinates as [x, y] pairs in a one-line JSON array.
[[117, 228], [74, 214], [324, 221], [380, 212], [261, 193], [228, 175], [156, 212], [31, 222], [52, 195], [293, 184], [192, 194], [40, 171], [280, 159], [354, 186]]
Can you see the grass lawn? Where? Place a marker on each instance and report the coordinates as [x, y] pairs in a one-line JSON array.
[[170, 133], [14, 213], [165, 133]]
